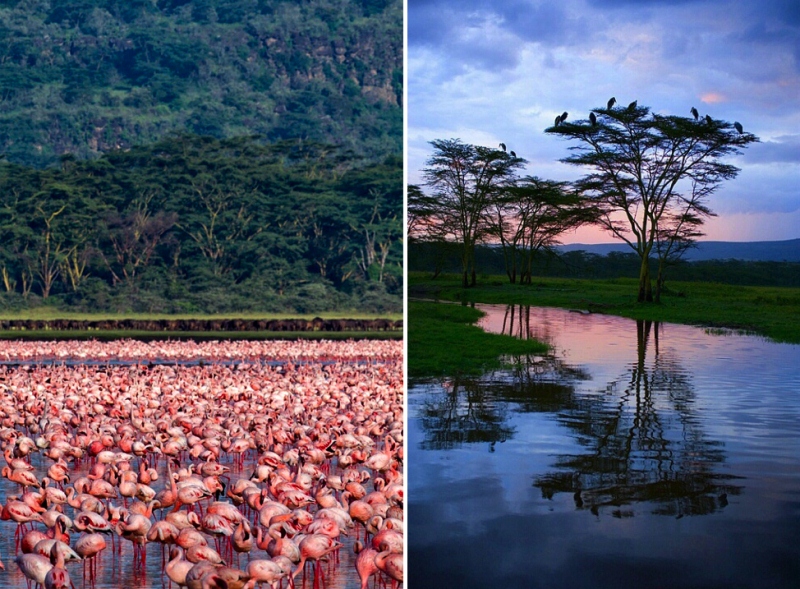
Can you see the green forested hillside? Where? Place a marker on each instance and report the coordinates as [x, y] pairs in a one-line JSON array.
[[201, 155], [199, 224], [88, 76]]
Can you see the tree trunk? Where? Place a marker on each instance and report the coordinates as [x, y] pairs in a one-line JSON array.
[[659, 281], [645, 286]]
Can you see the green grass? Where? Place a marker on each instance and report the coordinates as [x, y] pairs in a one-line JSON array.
[[442, 340], [770, 311]]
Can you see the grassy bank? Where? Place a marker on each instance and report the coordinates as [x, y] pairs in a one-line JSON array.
[[49, 324], [442, 340], [770, 311]]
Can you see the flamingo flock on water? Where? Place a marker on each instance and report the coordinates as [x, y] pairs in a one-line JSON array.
[[244, 463]]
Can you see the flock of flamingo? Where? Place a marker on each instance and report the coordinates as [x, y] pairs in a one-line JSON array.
[[240, 461]]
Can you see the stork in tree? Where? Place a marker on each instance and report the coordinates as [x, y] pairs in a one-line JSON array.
[[611, 102], [645, 168], [695, 114]]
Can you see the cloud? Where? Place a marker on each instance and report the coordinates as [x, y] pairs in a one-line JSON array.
[[783, 149], [712, 98]]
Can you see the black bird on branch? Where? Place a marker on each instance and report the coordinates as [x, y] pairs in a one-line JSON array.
[[593, 119], [632, 105], [513, 154], [612, 101], [695, 114], [709, 120], [558, 120], [564, 116], [503, 146], [738, 127]]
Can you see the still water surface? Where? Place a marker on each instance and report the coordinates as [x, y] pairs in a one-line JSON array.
[[637, 454]]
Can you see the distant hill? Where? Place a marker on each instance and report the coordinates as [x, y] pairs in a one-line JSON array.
[[87, 77], [754, 251]]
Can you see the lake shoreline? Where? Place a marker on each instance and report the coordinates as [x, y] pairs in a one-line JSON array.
[[773, 312]]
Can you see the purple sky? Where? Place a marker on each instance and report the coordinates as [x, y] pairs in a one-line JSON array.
[[486, 72]]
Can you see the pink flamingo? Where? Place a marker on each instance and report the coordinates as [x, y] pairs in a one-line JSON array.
[[57, 577], [135, 529], [88, 547], [391, 563], [34, 566], [365, 563], [264, 571], [21, 513], [177, 567], [315, 547]]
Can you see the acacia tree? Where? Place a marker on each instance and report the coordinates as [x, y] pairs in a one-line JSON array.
[[464, 179], [647, 168], [530, 216]]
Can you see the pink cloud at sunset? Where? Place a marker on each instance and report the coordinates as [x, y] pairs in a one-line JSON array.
[[712, 98]]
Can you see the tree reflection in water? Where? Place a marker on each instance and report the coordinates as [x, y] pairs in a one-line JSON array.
[[644, 444], [643, 438], [476, 409]]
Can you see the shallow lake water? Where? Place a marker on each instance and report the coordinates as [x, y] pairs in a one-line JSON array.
[[637, 454]]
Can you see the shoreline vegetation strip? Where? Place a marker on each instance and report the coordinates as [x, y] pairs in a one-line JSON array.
[[442, 340], [773, 312]]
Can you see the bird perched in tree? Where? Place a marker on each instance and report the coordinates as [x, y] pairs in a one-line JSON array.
[[611, 102], [632, 105], [709, 120], [738, 127], [503, 146], [695, 114], [513, 154], [564, 116], [593, 118], [558, 120]]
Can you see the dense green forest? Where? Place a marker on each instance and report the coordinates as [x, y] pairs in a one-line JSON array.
[[201, 155], [433, 258], [88, 76], [197, 224]]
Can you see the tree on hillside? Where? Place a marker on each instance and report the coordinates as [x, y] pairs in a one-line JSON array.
[[648, 168], [529, 216], [464, 179]]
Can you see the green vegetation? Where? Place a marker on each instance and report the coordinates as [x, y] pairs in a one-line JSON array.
[[770, 311], [86, 77], [200, 225], [201, 156], [438, 257], [441, 340]]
